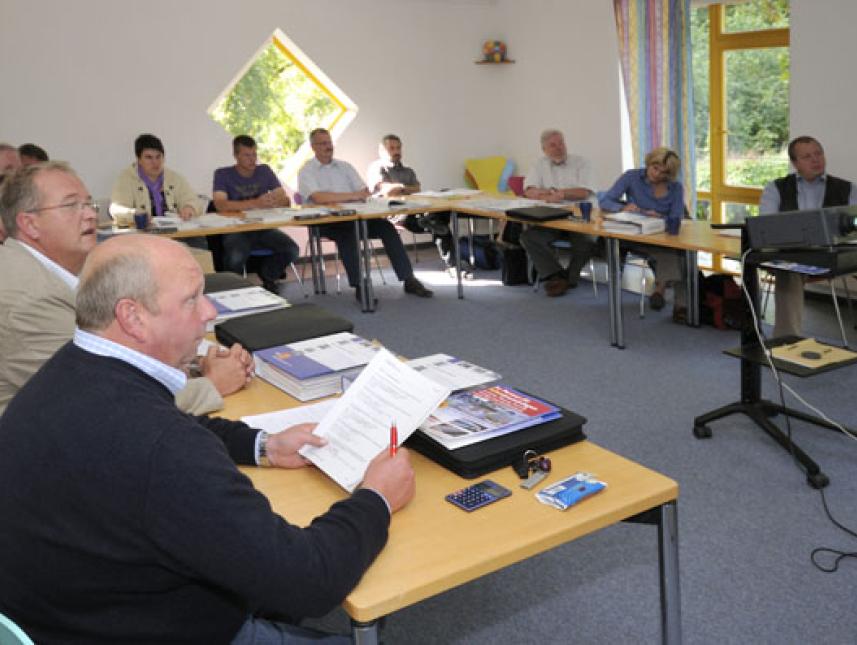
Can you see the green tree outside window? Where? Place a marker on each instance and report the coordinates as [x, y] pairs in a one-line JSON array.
[[277, 103]]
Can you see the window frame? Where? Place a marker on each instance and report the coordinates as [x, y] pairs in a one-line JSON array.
[[346, 112], [719, 43]]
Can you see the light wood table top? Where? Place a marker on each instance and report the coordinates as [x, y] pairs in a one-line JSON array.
[[434, 546], [695, 235], [245, 225]]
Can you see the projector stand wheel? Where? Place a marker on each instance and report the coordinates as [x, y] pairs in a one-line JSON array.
[[702, 432], [818, 480]]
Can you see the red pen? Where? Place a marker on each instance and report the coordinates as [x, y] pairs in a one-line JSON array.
[[394, 439]]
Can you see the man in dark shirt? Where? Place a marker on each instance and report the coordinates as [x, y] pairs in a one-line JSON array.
[[126, 520], [389, 177], [244, 186], [810, 186]]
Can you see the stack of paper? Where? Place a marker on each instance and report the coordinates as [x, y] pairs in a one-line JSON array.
[[268, 215], [469, 417], [244, 301], [502, 205], [357, 424], [633, 223], [453, 373], [165, 223], [311, 369], [450, 193], [209, 220]]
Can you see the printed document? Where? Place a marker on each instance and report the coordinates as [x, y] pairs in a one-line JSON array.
[[245, 299], [358, 426], [274, 422], [451, 193], [452, 372]]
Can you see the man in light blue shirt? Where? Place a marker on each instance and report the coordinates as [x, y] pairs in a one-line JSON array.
[[807, 188]]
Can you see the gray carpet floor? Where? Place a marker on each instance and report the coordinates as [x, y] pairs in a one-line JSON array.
[[747, 518]]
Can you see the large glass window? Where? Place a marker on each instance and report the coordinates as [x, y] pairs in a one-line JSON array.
[[741, 92], [278, 98]]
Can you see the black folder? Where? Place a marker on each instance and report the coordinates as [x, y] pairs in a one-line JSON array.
[[538, 213], [280, 327], [224, 281], [480, 458]]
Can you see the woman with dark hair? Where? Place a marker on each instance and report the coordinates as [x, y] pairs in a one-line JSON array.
[[654, 191], [148, 185]]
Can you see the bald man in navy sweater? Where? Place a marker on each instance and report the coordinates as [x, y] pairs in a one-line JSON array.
[[126, 520]]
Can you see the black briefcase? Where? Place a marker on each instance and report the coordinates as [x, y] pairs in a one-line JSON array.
[[514, 269], [480, 458], [538, 213], [280, 327]]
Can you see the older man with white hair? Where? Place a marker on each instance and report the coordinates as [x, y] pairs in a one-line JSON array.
[[557, 176]]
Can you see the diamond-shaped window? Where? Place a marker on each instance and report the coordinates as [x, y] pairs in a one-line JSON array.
[[278, 98]]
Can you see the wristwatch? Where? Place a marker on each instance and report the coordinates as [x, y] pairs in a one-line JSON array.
[[263, 450]]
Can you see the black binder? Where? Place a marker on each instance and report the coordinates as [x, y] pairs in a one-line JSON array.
[[480, 458], [224, 281], [280, 327], [539, 213]]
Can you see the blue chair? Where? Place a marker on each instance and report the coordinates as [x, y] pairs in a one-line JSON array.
[[11, 634]]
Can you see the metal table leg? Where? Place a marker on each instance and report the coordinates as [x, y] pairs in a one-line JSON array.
[[470, 245], [363, 242], [614, 293], [668, 561], [316, 260], [313, 259], [692, 288], [364, 633], [456, 252]]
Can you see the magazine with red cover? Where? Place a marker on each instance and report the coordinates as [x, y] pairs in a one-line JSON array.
[[472, 416]]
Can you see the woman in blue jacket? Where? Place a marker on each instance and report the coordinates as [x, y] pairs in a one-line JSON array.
[[654, 191]]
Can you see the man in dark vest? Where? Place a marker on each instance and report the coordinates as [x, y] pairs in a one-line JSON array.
[[808, 187]]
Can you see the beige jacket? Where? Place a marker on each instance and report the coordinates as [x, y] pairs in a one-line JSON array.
[[130, 194], [37, 318]]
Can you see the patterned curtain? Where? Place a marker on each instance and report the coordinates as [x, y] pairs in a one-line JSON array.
[[654, 49]]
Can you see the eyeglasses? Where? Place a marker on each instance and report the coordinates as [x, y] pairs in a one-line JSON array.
[[76, 206]]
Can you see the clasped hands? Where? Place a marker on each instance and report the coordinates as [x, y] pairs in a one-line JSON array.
[[229, 369]]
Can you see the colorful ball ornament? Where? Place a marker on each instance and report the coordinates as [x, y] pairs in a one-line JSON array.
[[494, 51]]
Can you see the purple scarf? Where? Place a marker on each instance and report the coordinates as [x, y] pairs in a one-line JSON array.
[[156, 191]]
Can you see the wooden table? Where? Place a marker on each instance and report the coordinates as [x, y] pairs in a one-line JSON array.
[[433, 546], [694, 236], [246, 224]]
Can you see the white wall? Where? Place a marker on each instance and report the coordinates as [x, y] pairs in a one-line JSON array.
[[83, 78], [566, 77], [823, 85]]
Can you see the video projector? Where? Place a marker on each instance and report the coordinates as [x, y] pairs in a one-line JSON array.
[[819, 227]]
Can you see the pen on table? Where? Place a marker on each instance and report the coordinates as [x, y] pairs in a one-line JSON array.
[[394, 439]]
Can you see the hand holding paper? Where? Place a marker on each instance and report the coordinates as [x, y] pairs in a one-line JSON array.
[[283, 447], [358, 426]]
